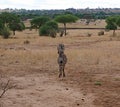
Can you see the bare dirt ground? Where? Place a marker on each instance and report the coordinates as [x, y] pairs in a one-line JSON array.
[[92, 72]]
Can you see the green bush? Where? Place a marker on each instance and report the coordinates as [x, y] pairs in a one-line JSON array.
[[52, 24], [49, 29], [44, 30], [100, 33], [5, 32], [98, 83]]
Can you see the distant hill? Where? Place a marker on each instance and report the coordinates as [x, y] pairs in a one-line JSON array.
[[72, 10], [98, 13]]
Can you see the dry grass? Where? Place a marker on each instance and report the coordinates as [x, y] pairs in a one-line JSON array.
[[80, 24], [79, 48]]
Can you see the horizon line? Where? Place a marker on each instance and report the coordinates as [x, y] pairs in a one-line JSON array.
[[64, 9]]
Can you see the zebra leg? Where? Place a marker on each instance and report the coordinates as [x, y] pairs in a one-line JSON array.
[[63, 72], [60, 72]]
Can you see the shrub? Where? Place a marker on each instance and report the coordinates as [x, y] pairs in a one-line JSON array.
[[89, 34], [49, 29], [44, 30], [5, 32], [26, 42], [100, 33], [98, 83]]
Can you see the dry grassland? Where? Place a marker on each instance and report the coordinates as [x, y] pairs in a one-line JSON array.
[[92, 72]]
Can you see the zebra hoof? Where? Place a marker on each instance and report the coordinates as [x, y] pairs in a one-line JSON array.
[[60, 75]]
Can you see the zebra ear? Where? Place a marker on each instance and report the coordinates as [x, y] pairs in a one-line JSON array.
[[61, 46]]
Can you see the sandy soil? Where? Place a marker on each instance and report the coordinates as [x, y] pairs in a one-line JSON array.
[[41, 90]]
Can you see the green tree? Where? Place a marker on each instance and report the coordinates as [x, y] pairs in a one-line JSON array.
[[67, 18], [1, 26], [49, 29], [9, 18], [12, 21], [16, 26], [39, 21], [118, 21], [5, 17], [52, 24], [111, 23]]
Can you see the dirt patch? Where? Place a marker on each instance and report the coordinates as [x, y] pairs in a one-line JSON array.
[[40, 90]]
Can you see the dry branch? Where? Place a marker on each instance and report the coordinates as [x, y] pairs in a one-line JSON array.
[[5, 87]]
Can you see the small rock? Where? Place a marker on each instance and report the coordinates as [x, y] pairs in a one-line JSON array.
[[67, 89], [82, 99], [16, 61]]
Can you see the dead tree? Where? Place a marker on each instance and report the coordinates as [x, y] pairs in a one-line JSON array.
[[62, 59], [5, 86]]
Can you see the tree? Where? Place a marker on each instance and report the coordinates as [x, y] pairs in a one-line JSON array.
[[118, 21], [9, 18], [53, 24], [111, 23], [15, 26], [1, 26], [6, 17], [39, 21], [67, 18], [49, 29], [12, 21]]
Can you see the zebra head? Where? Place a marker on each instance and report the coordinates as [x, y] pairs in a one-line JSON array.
[[61, 48]]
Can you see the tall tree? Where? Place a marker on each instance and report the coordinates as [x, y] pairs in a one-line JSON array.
[[67, 18], [16, 26], [9, 18], [111, 23], [12, 21], [118, 21], [39, 21]]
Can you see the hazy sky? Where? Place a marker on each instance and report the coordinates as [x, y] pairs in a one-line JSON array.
[[58, 4]]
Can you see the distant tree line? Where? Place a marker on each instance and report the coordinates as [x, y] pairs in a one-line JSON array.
[[81, 13]]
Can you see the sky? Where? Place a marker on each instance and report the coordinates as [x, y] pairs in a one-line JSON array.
[[58, 4]]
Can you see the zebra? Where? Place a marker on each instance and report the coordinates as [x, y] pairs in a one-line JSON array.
[[62, 59]]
